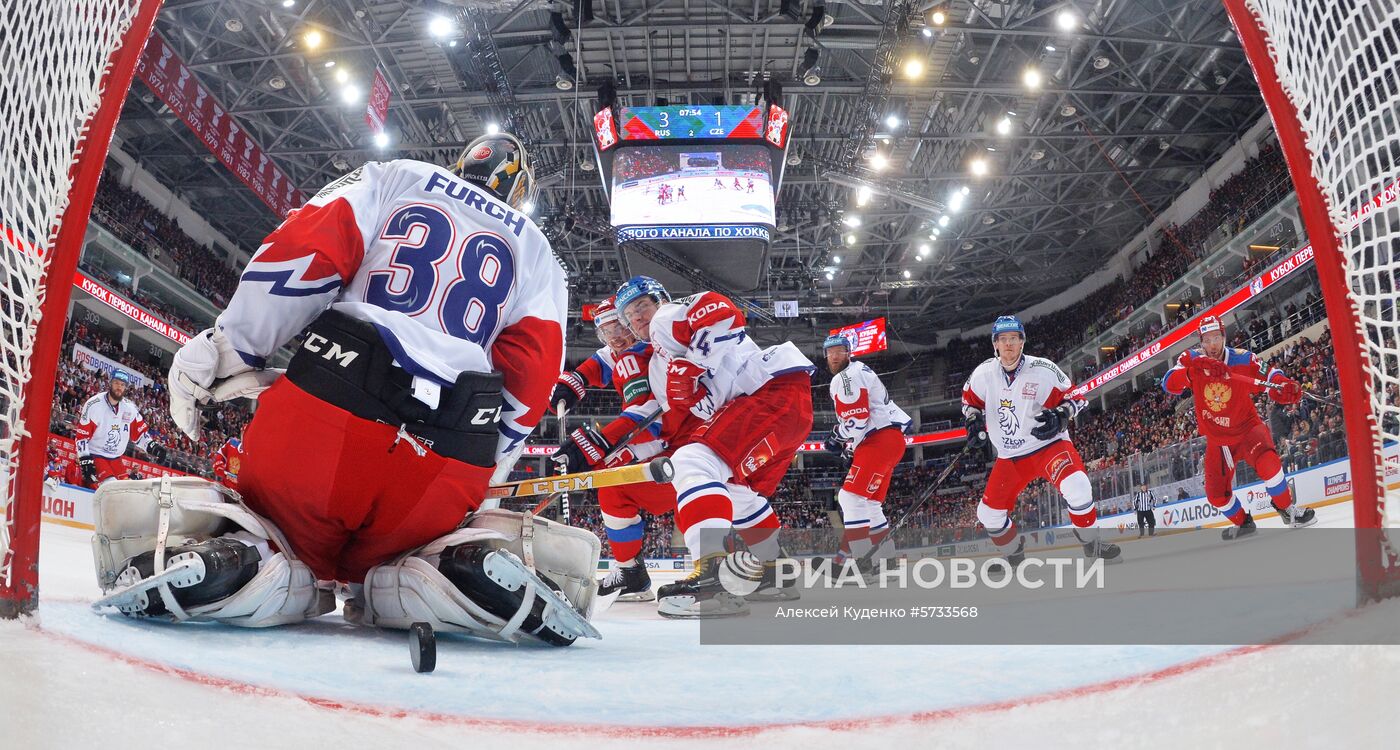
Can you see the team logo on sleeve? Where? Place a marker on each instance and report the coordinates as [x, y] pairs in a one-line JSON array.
[[1006, 413], [1217, 395]]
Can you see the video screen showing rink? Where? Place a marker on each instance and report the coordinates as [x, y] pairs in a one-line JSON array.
[[675, 185]]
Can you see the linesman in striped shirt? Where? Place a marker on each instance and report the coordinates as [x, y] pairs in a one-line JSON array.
[[1143, 503]]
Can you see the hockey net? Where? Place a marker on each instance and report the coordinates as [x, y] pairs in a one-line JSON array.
[[1330, 75], [67, 69]]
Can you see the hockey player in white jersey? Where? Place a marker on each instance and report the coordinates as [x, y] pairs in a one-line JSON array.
[[870, 429], [107, 423], [756, 407], [434, 313], [1021, 405]]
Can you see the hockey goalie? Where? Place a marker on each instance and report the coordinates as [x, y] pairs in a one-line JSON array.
[[433, 312]]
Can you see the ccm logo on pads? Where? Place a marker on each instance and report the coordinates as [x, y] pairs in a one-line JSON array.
[[317, 343]]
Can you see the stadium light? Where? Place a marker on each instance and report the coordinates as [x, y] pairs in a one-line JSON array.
[[1067, 20], [836, 259], [381, 140], [862, 195], [927, 32], [913, 68], [440, 27], [342, 76], [923, 249], [943, 220], [288, 3], [330, 63], [964, 190], [892, 122], [492, 128], [850, 238], [939, 18], [979, 167], [852, 221], [906, 273], [955, 202], [350, 94], [1032, 78], [879, 161], [1004, 126], [830, 276], [312, 39]]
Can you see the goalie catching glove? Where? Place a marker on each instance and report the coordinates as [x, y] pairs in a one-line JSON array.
[[208, 369], [1052, 422]]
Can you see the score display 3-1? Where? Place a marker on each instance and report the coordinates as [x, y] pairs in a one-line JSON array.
[[690, 122]]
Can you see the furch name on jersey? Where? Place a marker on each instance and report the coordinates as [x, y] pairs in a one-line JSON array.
[[461, 191]]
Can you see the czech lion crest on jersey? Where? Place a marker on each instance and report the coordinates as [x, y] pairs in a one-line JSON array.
[[1218, 396], [1006, 413]]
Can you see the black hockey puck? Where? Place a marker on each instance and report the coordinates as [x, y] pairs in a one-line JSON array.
[[422, 647]]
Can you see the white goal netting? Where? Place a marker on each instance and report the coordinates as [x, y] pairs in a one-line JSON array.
[[55, 54], [1338, 63]]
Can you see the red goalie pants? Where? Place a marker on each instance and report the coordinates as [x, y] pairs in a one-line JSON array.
[[347, 492], [873, 463], [758, 435]]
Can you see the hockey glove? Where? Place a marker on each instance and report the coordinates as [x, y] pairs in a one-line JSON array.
[[88, 468], [1290, 393], [1209, 368], [208, 369], [834, 443], [1052, 422], [157, 451], [683, 388], [570, 389], [977, 438], [584, 449]]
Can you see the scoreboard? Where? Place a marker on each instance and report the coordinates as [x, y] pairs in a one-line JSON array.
[[666, 123]]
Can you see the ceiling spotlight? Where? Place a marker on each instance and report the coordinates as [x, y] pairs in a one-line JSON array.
[[967, 245], [1067, 20], [342, 76], [830, 276], [1032, 78], [807, 70], [989, 220], [836, 259], [209, 159], [850, 239], [892, 122], [563, 82], [979, 167], [528, 207], [440, 27], [939, 18], [350, 94], [288, 3], [913, 67], [234, 25], [927, 32], [923, 249], [330, 63], [312, 39], [1219, 80], [794, 159], [492, 128], [1162, 145], [851, 221], [879, 161], [1100, 62], [1004, 126], [965, 190], [863, 195], [955, 202], [452, 43], [1037, 154], [812, 77], [1049, 48], [1068, 110], [381, 140], [943, 221], [340, 163], [906, 273], [587, 165], [277, 83]]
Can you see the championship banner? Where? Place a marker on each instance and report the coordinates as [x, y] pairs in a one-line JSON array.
[[94, 361], [171, 80], [377, 111], [1287, 267], [128, 308]]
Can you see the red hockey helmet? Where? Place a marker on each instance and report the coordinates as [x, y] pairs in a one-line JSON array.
[[1208, 324]]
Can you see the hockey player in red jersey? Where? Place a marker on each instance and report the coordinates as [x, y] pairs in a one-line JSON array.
[[106, 424], [227, 462], [1222, 380], [870, 428], [1022, 407], [756, 407], [622, 364], [434, 313]]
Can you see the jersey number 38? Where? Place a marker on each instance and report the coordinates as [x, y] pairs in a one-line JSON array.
[[465, 282]]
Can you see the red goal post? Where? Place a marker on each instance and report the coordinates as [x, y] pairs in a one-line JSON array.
[[68, 68], [1329, 73]]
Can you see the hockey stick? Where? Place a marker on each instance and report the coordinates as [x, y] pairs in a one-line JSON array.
[[614, 453], [563, 496], [656, 470], [913, 509], [1279, 386]]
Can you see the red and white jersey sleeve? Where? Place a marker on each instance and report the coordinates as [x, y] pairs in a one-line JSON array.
[[862, 404], [454, 280], [105, 431], [1009, 402], [708, 329]]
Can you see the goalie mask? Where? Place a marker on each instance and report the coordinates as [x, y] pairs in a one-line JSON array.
[[499, 164]]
